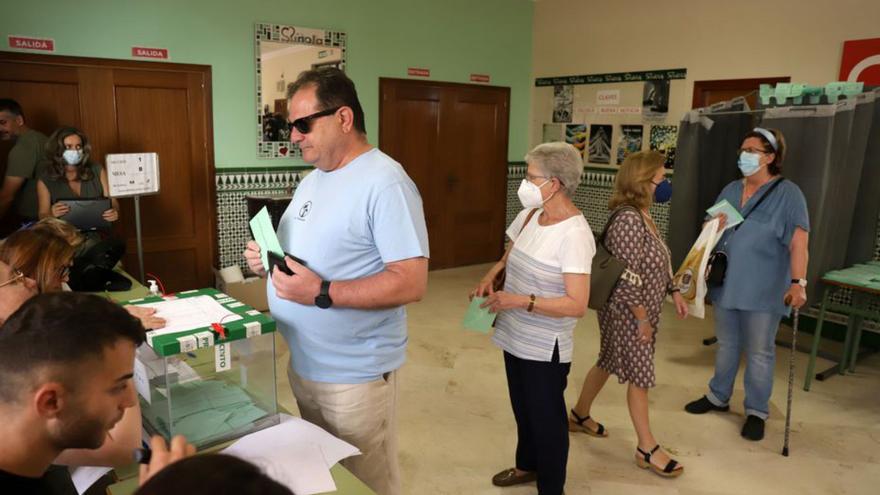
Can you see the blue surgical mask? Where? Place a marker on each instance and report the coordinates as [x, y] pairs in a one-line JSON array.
[[72, 157], [663, 191], [749, 163]]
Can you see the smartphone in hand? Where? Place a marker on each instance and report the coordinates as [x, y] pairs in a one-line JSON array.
[[277, 261]]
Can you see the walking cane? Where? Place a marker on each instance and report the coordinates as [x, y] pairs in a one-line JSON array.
[[794, 329]]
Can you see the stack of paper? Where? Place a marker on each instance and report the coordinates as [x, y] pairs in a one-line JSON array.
[[189, 313], [295, 453], [205, 409]]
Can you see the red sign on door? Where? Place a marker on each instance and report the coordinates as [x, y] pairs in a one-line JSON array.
[[27, 43], [414, 71], [861, 61], [144, 52], [482, 78]]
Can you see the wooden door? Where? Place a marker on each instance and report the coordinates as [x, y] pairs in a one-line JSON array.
[[709, 92], [127, 107], [452, 140], [166, 112]]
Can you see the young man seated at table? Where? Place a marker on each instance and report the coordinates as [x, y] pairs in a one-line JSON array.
[[61, 391]]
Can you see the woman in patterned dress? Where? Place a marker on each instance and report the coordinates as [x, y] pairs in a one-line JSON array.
[[629, 320]]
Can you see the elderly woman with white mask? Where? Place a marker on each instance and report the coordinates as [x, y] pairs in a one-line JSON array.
[[545, 291]]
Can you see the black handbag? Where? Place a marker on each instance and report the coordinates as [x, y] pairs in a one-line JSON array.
[[92, 269], [606, 269], [716, 266]]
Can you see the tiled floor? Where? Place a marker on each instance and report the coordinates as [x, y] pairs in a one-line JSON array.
[[457, 429]]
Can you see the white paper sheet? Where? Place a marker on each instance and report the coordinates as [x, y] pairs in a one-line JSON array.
[[300, 467], [189, 313], [295, 453], [86, 476]]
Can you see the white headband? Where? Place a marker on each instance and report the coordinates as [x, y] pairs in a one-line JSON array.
[[769, 135]]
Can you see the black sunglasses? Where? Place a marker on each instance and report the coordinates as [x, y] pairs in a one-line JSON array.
[[303, 125]]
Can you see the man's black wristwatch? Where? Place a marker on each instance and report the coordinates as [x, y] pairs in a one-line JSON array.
[[323, 300]]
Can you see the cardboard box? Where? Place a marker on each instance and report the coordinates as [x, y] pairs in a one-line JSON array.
[[252, 291]]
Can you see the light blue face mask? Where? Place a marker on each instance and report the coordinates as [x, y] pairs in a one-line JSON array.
[[72, 157], [749, 163]]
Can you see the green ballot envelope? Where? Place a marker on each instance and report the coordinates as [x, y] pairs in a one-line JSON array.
[[264, 234], [477, 318], [733, 216]]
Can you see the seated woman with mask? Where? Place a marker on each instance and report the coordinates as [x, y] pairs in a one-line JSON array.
[[68, 173]]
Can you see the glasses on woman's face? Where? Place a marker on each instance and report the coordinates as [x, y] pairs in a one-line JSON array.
[[64, 271], [16, 277], [303, 125], [752, 150], [533, 178]]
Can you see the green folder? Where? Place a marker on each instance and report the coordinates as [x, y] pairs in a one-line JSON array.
[[477, 318], [264, 234]]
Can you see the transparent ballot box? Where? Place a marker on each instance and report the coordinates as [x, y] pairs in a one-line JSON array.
[[210, 374]]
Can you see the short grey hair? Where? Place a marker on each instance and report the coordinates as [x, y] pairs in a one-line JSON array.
[[560, 160]]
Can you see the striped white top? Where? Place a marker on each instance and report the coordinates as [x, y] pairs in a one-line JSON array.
[[537, 262]]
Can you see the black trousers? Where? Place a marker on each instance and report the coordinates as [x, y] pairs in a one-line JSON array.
[[536, 394]]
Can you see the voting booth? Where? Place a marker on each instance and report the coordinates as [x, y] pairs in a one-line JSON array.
[[209, 374]]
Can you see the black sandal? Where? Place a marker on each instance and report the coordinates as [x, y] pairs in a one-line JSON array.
[[672, 470], [577, 424]]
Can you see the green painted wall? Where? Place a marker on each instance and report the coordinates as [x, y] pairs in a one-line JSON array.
[[453, 38]]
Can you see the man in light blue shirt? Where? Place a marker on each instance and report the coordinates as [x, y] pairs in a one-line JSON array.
[[357, 224]]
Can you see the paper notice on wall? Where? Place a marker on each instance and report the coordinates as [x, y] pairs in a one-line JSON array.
[[553, 133], [133, 174], [563, 99], [608, 97]]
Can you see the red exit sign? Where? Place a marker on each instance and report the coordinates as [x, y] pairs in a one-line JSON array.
[[480, 78], [144, 52], [28, 43], [415, 71]]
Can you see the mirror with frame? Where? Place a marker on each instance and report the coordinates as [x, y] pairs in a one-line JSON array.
[[283, 52]]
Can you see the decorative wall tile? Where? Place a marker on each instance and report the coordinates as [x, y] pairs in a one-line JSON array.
[[232, 214]]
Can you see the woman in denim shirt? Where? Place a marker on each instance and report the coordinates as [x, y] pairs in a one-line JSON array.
[[765, 278]]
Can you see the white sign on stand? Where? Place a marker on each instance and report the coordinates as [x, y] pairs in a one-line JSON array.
[[133, 174]]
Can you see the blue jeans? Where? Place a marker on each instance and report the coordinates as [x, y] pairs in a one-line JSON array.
[[754, 333]]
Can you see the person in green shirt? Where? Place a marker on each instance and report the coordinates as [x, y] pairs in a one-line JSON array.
[[19, 188]]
